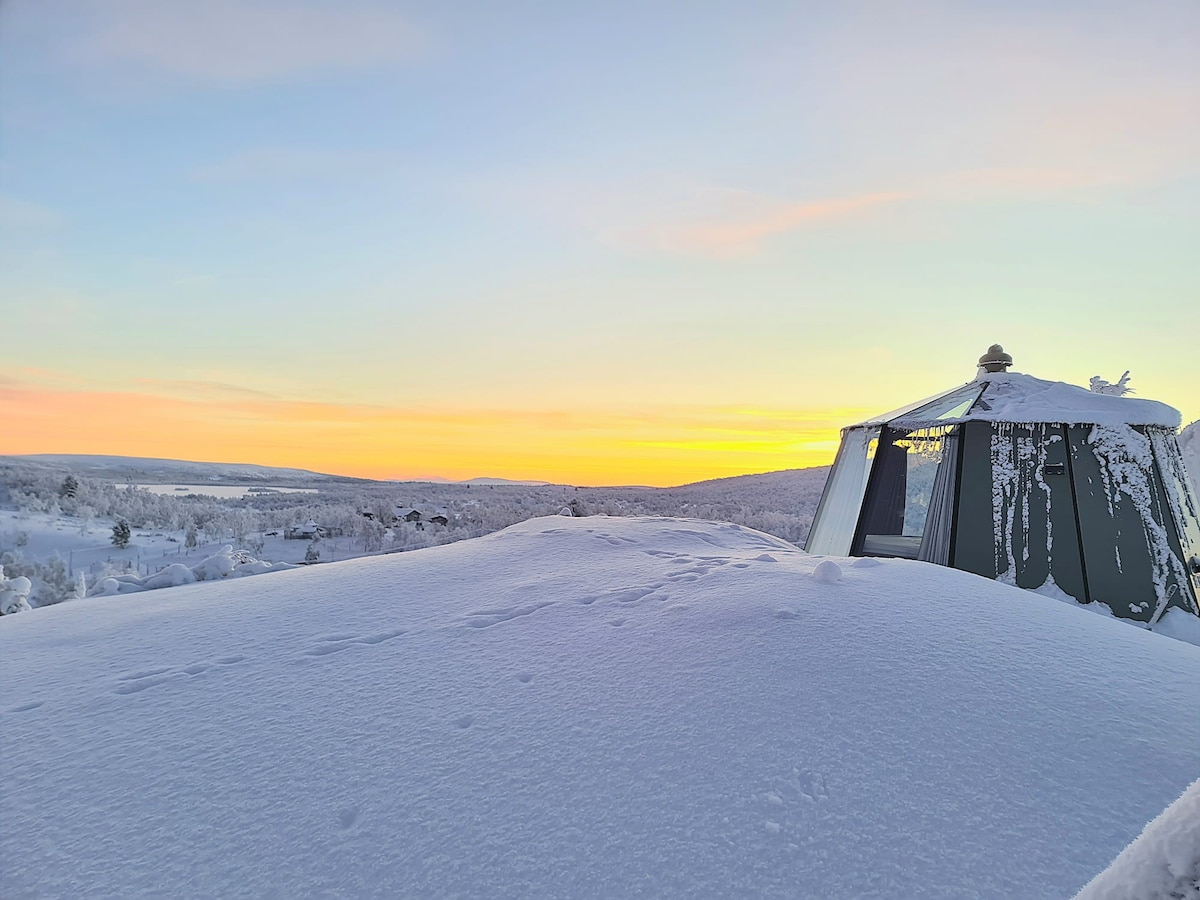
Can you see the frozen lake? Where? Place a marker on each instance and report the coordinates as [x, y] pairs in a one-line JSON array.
[[220, 490]]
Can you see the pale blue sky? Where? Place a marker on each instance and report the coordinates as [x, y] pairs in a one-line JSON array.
[[633, 207]]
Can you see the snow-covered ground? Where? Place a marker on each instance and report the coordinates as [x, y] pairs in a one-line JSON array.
[[585, 707], [40, 536]]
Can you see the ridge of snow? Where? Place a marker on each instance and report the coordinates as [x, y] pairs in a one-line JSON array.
[[585, 707]]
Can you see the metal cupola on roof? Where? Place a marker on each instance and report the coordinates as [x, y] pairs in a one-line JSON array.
[[995, 360], [1041, 484]]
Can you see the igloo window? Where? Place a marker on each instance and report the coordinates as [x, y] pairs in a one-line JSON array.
[[904, 483]]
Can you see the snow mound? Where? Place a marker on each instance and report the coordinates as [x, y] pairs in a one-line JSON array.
[[827, 572], [1162, 864], [14, 594], [225, 564], [585, 707]]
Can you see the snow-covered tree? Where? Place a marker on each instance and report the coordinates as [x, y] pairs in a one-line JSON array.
[[121, 534], [1120, 389]]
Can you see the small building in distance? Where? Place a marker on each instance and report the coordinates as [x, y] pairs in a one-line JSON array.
[[306, 532]]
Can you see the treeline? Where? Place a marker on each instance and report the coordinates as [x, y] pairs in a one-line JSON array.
[[779, 503]]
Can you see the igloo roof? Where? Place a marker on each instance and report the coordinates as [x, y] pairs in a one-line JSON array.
[[1017, 398]]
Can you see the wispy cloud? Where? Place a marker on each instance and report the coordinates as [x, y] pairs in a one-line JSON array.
[[738, 233], [677, 216], [233, 42]]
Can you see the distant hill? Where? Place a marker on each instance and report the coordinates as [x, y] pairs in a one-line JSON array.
[[503, 481], [138, 468], [135, 468]]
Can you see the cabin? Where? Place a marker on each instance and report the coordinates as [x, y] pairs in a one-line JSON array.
[[310, 530], [1040, 484]]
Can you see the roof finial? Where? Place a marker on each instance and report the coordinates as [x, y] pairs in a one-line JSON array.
[[995, 360]]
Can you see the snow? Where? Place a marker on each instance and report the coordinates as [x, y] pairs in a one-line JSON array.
[[1023, 399], [14, 594], [1162, 864], [1013, 397], [827, 572], [1179, 624], [585, 707], [228, 563]]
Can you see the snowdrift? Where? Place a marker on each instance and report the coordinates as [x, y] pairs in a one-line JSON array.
[[585, 707], [1162, 864]]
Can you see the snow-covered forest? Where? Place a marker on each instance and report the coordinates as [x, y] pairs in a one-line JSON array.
[[56, 521]]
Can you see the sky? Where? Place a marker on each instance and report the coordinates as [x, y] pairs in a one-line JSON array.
[[620, 243]]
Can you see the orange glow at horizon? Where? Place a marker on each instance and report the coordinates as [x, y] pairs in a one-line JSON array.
[[658, 447]]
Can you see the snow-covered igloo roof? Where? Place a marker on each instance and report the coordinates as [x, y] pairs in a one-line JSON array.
[[1014, 397]]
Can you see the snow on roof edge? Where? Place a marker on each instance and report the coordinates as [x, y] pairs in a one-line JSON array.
[[1017, 398]]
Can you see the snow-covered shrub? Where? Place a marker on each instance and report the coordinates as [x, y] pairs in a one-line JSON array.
[[14, 594]]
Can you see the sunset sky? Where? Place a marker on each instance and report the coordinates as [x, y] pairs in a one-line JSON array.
[[602, 243]]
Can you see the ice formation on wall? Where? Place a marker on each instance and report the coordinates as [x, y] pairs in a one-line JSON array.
[[1013, 457], [1126, 460]]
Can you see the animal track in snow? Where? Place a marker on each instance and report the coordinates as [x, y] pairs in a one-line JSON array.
[[148, 673], [136, 682], [801, 784], [632, 595], [621, 595], [613, 540], [336, 643], [485, 618]]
